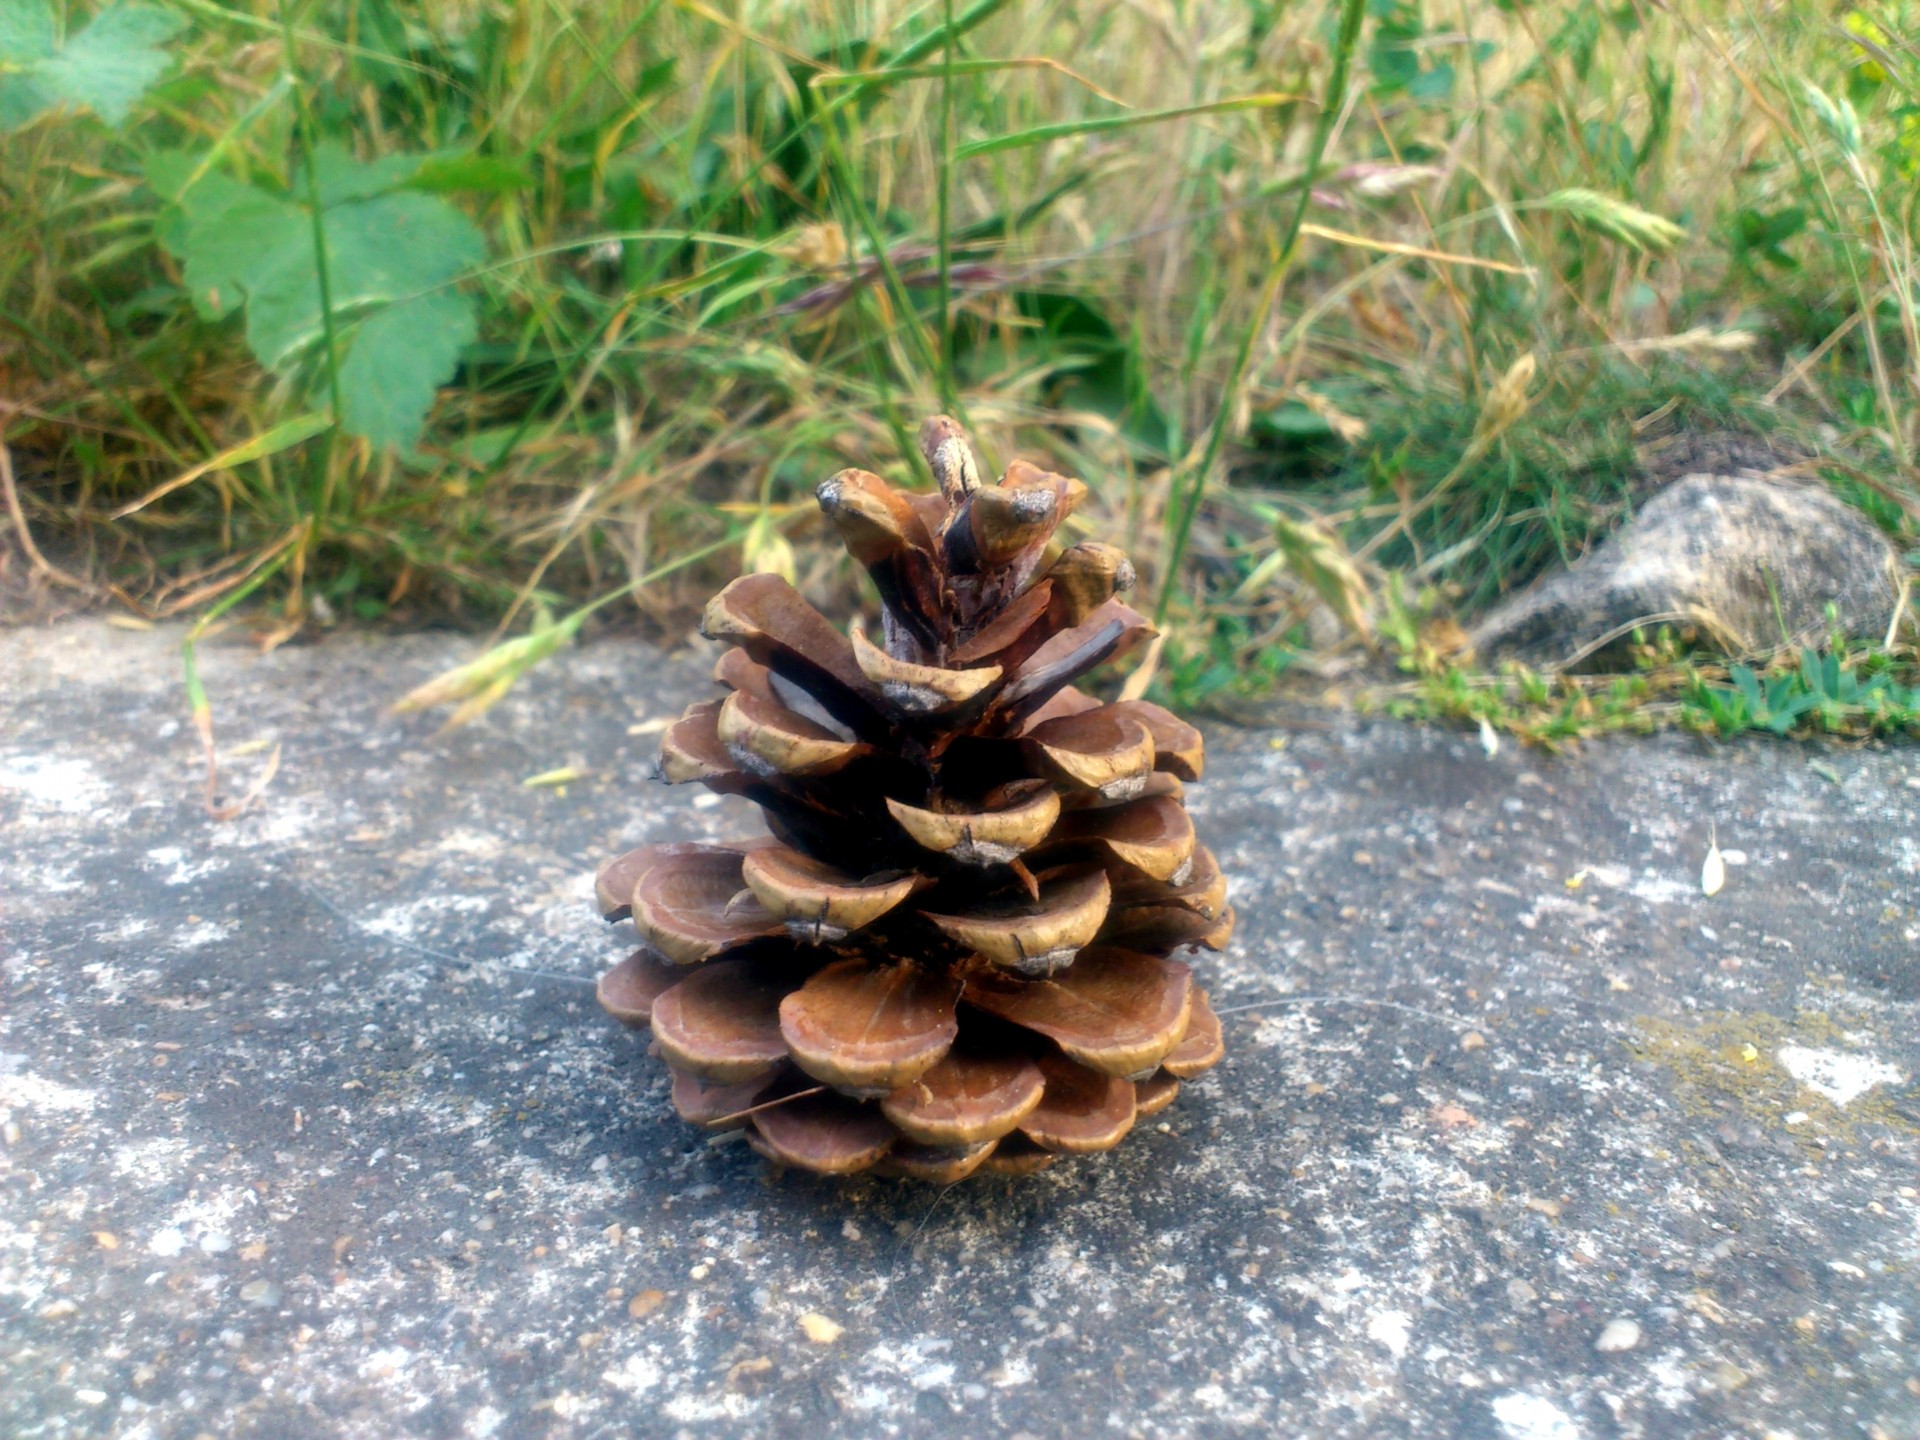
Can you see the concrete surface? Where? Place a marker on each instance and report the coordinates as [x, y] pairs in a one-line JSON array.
[[309, 1124]]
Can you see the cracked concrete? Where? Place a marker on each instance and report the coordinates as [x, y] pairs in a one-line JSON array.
[[309, 1124]]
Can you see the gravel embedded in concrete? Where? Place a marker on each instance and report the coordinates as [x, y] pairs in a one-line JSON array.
[[309, 1123]]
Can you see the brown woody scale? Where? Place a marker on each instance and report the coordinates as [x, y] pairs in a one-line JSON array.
[[954, 951]]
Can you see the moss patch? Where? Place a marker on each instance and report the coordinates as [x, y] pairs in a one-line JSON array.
[[1728, 1061]]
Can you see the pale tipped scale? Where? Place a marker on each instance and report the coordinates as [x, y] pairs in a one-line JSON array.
[[1202, 891], [1036, 937], [966, 1098], [920, 689], [768, 739], [981, 837], [874, 519], [817, 903], [721, 1024], [828, 1134], [1088, 575], [1202, 1045], [910, 1161], [691, 903], [867, 1030], [1177, 746], [1004, 521], [1115, 1011], [1096, 750], [1154, 835], [1154, 1094], [1081, 1111], [628, 990], [692, 749]]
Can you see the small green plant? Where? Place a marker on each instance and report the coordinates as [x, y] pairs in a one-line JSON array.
[[103, 66], [359, 305], [1836, 693]]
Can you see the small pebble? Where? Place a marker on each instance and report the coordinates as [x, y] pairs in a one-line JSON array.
[[1618, 1336], [1473, 1040], [1361, 857], [1520, 1293], [263, 1293], [215, 1244], [819, 1329], [1729, 1376], [645, 1303]]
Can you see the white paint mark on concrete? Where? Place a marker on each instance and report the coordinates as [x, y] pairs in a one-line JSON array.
[[914, 1362], [179, 870], [403, 922], [1390, 1329], [637, 1375], [1661, 889], [206, 932], [1840, 1077], [1532, 1417], [59, 786], [24, 1091]]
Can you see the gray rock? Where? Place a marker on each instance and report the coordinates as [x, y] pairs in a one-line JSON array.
[[353, 1033], [1751, 563]]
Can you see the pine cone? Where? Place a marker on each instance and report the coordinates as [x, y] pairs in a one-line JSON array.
[[954, 952]]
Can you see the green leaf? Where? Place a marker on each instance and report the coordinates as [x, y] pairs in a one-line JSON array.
[[341, 177], [26, 31], [396, 362], [391, 257], [103, 68]]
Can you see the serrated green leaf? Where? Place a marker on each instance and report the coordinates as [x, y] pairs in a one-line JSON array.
[[104, 67], [395, 363], [388, 248], [26, 31], [342, 178], [391, 256], [241, 242]]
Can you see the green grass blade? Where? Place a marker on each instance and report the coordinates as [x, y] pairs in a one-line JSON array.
[[1104, 124]]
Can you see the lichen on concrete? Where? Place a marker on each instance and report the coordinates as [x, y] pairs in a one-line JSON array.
[[309, 1124]]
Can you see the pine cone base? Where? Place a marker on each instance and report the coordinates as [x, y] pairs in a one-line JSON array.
[[956, 950]]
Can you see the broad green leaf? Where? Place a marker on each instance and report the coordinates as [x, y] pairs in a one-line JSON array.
[[391, 256], [26, 31], [396, 362], [344, 178], [238, 241], [260, 247], [104, 67]]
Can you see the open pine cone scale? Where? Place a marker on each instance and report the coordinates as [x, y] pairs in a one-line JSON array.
[[955, 950]]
